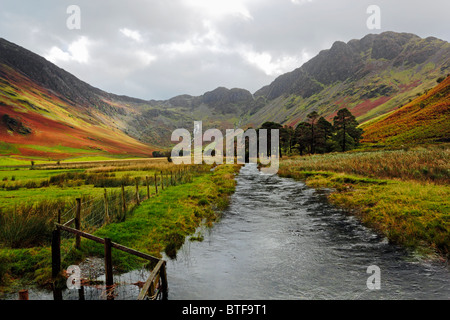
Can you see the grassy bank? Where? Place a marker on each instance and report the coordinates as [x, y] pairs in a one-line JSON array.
[[403, 194], [160, 223]]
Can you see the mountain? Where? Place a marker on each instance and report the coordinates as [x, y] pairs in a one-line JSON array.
[[370, 77], [47, 112], [425, 119]]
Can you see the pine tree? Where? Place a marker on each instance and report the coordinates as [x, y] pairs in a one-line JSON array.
[[347, 133], [312, 119], [287, 138], [324, 135], [303, 136]]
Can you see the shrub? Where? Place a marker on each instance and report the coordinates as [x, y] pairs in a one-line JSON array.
[[175, 241], [31, 185], [27, 225], [203, 202]]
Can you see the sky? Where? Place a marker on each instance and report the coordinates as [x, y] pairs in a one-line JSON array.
[[158, 49]]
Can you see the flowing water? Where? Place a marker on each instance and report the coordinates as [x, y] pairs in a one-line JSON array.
[[280, 239]]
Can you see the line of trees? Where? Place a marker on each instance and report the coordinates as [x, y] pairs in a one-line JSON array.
[[317, 135]]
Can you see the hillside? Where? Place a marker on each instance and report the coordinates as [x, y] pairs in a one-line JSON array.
[[426, 119], [37, 122], [47, 112], [370, 77]]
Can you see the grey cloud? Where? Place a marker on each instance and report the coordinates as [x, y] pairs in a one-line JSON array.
[[185, 49]]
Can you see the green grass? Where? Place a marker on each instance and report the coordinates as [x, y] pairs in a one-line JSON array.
[[17, 178], [26, 174], [8, 161], [163, 222], [10, 155], [23, 195], [59, 149], [160, 223], [97, 158]]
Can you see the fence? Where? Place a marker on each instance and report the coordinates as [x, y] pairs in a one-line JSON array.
[[155, 285], [114, 206], [103, 210]]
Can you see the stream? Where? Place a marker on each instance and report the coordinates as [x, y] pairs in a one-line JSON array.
[[280, 239]]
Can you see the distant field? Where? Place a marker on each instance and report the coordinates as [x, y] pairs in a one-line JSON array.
[[21, 185], [31, 199], [13, 161]]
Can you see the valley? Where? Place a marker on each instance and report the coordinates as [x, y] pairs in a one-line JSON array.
[[364, 132]]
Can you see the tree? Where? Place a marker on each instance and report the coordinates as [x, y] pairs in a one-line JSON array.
[[324, 135], [303, 136], [347, 133], [287, 138], [312, 119]]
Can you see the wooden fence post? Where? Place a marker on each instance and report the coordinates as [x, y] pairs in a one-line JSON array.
[[56, 262], [164, 285], [109, 281], [124, 203], [137, 192], [23, 295], [78, 223], [156, 183], [56, 253], [162, 182], [105, 198], [148, 187], [81, 293]]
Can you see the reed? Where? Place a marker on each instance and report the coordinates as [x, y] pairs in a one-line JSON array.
[[403, 194], [420, 164]]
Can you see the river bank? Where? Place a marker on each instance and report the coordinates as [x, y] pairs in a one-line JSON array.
[[412, 208]]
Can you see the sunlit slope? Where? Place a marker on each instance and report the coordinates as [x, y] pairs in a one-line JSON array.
[[426, 119], [34, 121]]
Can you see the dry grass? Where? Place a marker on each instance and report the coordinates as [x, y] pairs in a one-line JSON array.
[[421, 164], [404, 194]]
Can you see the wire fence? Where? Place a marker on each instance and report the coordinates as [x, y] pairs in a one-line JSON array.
[[114, 206]]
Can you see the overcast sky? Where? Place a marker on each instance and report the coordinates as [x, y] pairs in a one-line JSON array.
[[157, 49]]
